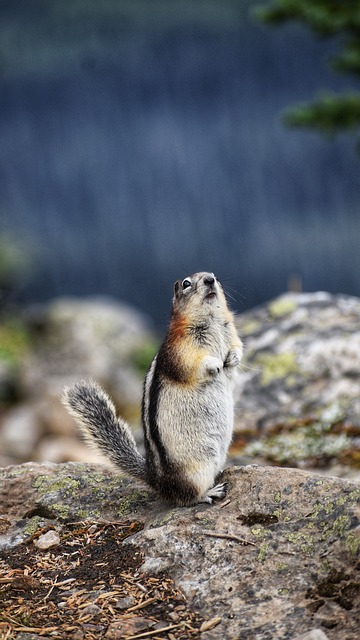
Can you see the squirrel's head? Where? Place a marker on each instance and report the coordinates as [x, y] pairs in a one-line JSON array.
[[200, 293]]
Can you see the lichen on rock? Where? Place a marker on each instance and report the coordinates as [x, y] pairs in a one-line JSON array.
[[298, 398], [282, 548]]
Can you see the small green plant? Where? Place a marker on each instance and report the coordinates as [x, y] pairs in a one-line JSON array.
[[143, 356], [14, 341]]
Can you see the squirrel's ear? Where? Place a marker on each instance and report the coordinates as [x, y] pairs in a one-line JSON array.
[[177, 286]]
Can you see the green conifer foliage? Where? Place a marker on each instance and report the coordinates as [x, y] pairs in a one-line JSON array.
[[340, 19]]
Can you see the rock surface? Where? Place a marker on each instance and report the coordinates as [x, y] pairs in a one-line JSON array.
[[70, 339], [279, 557], [303, 354], [298, 398], [299, 391], [96, 337]]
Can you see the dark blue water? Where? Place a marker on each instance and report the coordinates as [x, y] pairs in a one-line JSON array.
[[136, 151]]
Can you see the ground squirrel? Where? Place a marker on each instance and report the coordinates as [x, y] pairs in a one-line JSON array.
[[187, 407]]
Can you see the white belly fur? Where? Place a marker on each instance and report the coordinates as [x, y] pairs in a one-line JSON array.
[[195, 426]]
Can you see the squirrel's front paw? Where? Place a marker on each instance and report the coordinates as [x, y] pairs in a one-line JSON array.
[[211, 366], [233, 358]]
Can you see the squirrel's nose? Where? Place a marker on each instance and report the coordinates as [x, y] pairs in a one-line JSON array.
[[209, 280]]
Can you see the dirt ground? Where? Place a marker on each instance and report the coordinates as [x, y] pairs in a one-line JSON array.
[[89, 587]]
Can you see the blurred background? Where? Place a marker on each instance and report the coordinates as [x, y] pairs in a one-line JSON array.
[[143, 141]]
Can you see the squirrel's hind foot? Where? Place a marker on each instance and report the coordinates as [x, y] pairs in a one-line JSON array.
[[218, 492]]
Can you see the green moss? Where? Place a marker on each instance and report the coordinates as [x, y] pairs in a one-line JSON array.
[[341, 524], [102, 485], [205, 522], [143, 355], [353, 497], [311, 441], [56, 487], [50, 484], [327, 507], [276, 366], [14, 341], [283, 591], [130, 503], [259, 531], [352, 543], [62, 512], [281, 566], [301, 539], [281, 307], [32, 526], [15, 472], [262, 552], [277, 497], [159, 522], [293, 537], [326, 566], [88, 514], [63, 495], [249, 327]]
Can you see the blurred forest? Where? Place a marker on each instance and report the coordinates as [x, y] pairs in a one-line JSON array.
[[330, 112], [143, 141]]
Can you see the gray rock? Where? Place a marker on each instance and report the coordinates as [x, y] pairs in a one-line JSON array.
[[95, 337], [20, 431], [276, 559], [303, 354], [72, 339], [125, 603], [57, 449], [283, 584], [65, 492], [93, 610], [47, 540], [314, 634], [301, 377]]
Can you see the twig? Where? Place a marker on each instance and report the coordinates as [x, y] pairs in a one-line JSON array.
[[107, 594], [58, 584], [153, 633], [7, 633], [36, 629], [225, 504], [228, 536], [142, 604]]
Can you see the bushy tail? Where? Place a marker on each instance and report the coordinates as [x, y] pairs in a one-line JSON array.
[[95, 414]]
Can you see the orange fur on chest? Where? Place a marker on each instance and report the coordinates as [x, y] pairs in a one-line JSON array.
[[178, 329], [187, 354]]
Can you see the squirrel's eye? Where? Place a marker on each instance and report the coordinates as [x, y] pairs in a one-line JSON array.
[[186, 283]]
